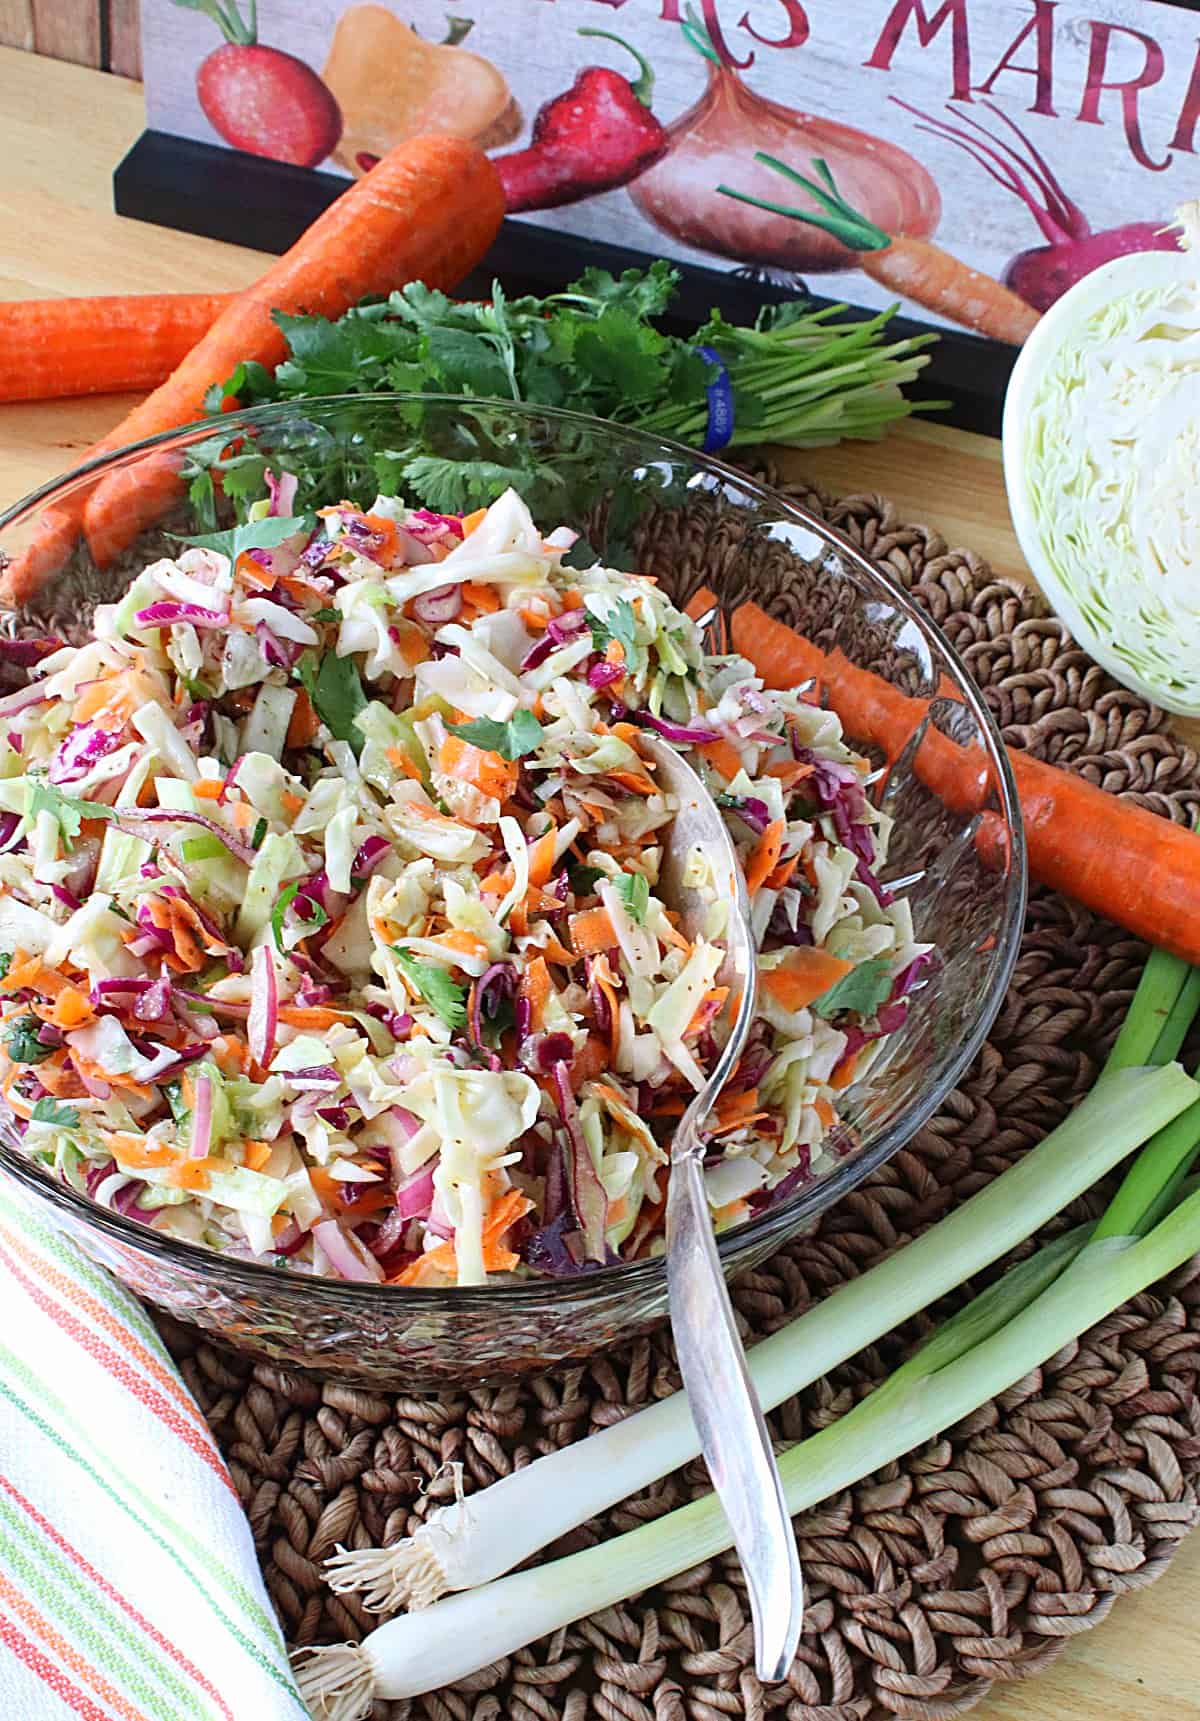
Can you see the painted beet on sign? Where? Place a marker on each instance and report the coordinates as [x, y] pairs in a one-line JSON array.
[[973, 158]]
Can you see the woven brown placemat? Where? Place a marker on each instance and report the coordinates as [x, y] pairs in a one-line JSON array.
[[970, 1561]]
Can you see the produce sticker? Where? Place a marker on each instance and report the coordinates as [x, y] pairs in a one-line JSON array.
[[971, 158]]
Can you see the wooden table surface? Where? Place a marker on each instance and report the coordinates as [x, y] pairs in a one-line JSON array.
[[62, 130]]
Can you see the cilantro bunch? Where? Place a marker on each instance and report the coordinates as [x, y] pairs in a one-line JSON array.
[[798, 376]]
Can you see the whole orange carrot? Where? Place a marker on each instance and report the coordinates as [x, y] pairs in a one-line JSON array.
[[1125, 863], [428, 211], [55, 347]]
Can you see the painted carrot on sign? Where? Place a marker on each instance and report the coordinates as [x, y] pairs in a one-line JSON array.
[[915, 268]]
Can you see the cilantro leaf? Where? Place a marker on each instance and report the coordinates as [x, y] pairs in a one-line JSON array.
[[634, 891], [442, 993], [69, 810], [5, 962], [618, 624], [49, 1111], [645, 294], [22, 1041], [584, 879], [336, 358], [258, 535], [863, 990], [451, 486], [328, 613], [335, 688], [512, 740]]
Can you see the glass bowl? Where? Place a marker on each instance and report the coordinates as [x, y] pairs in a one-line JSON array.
[[690, 521]]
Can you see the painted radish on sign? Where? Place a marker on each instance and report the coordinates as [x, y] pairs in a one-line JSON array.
[[260, 99]]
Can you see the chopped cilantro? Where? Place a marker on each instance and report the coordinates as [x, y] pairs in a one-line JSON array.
[[634, 891], [335, 688], [260, 831], [326, 614], [69, 810], [258, 535], [584, 879], [863, 990], [21, 1039], [619, 624], [5, 962], [512, 740], [442, 993], [49, 1111]]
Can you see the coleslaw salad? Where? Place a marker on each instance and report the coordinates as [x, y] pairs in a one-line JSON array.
[[329, 916]]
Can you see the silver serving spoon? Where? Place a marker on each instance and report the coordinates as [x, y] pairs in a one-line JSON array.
[[728, 1417]]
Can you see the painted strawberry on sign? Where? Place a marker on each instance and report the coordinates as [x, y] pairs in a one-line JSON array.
[[260, 99]]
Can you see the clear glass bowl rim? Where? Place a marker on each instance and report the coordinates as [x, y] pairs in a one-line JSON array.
[[783, 1220]]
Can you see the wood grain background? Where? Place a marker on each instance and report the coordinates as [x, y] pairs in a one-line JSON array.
[[99, 33]]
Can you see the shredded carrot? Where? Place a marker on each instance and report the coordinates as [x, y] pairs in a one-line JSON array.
[[252, 573], [778, 879], [602, 975], [291, 804], [825, 1111], [496, 1259], [765, 857], [592, 931], [535, 988], [634, 781], [208, 788], [386, 530], [470, 521], [303, 723], [708, 1009], [29, 973], [461, 943], [803, 975], [311, 1016], [482, 768], [843, 1075], [324, 1185], [255, 1154], [722, 756], [541, 856], [591, 1060], [139, 1151], [480, 599], [407, 767], [372, 1198], [71, 1009]]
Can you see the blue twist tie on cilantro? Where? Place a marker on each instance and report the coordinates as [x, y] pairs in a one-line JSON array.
[[720, 403]]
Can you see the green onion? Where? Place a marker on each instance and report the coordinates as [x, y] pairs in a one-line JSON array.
[[522, 1512], [206, 847], [1032, 1312], [1068, 1284]]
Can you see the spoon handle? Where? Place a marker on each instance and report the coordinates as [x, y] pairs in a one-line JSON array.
[[733, 1435]]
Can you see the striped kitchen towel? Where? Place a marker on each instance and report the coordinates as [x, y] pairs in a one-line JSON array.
[[129, 1590]]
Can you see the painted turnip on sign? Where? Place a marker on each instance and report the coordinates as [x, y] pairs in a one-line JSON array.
[[972, 158]]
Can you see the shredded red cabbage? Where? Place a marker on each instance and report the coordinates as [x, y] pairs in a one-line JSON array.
[[282, 491], [170, 610], [683, 734]]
